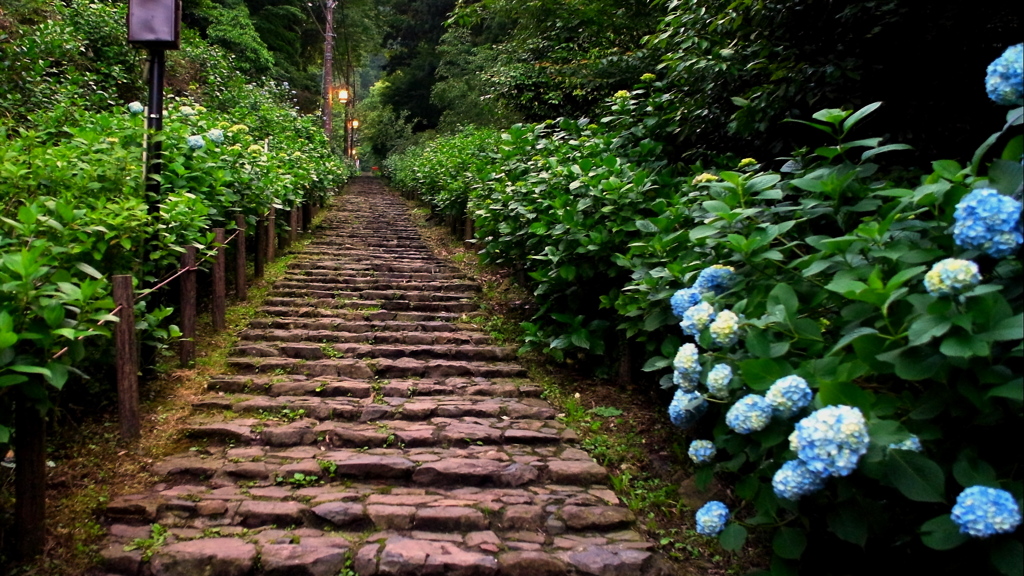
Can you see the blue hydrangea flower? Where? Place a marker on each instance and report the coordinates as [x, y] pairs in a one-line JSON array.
[[988, 221], [186, 111], [711, 518], [686, 408], [683, 300], [216, 135], [1004, 79], [982, 511], [686, 361], [702, 451], [831, 440], [196, 142], [725, 330], [912, 444], [685, 382], [749, 414], [716, 279], [951, 276], [795, 479], [718, 380], [789, 395], [697, 318], [136, 107]]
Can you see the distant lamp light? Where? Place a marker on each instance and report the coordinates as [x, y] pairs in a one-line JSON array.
[[343, 95], [355, 124]]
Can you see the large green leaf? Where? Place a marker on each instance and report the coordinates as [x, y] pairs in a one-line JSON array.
[[733, 537], [847, 521], [1008, 556], [789, 542], [940, 533], [916, 476], [761, 373]]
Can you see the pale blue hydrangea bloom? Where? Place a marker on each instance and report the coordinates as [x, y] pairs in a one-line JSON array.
[[1004, 80], [216, 135], [196, 142], [788, 395], [749, 414], [912, 444], [683, 300], [982, 511], [697, 318], [725, 330], [711, 518], [186, 111], [136, 107], [831, 440], [686, 361], [686, 408], [718, 380], [988, 221], [795, 479], [951, 276], [716, 279], [684, 382], [702, 451]]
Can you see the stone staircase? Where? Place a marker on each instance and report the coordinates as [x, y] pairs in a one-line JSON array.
[[369, 428]]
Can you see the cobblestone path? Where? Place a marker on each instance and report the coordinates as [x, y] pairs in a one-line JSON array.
[[369, 430]]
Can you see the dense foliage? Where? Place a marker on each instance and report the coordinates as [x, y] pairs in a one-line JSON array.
[[890, 306], [75, 209]]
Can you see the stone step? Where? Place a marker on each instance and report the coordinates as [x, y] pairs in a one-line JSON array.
[[513, 465], [334, 387], [281, 291], [284, 426], [449, 349], [332, 283], [367, 315], [325, 275], [379, 406], [379, 268], [374, 305], [322, 327], [395, 337], [377, 367]]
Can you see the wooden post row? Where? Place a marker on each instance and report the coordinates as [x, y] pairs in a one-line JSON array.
[[241, 289], [188, 307], [127, 358], [220, 304], [271, 233], [260, 258]]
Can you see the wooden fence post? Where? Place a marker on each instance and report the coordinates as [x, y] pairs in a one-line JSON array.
[[241, 288], [29, 478], [307, 216], [260, 259], [271, 233], [127, 358], [188, 307], [219, 283]]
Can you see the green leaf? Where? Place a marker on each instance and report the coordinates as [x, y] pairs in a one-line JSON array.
[[702, 231], [789, 542], [963, 346], [656, 363], [926, 328], [31, 370], [848, 522], [887, 148], [783, 295], [733, 537], [581, 338], [88, 270], [58, 374], [835, 393], [1007, 329], [1008, 556], [12, 380], [941, 533], [1014, 390], [646, 226], [761, 373], [859, 115], [8, 339], [853, 335], [916, 476], [969, 470]]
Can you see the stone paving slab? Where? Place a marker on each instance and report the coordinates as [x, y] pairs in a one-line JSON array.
[[368, 425]]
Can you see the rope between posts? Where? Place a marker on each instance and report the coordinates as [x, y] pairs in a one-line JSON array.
[[100, 323]]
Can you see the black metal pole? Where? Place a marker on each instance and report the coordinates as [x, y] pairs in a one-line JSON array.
[[155, 123]]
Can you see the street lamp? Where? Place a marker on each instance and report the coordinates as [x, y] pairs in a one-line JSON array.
[[343, 95], [353, 124]]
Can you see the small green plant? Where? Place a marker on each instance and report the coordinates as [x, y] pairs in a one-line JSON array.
[[157, 538]]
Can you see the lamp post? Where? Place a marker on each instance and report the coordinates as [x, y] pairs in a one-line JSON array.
[[156, 26], [352, 138], [343, 97]]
